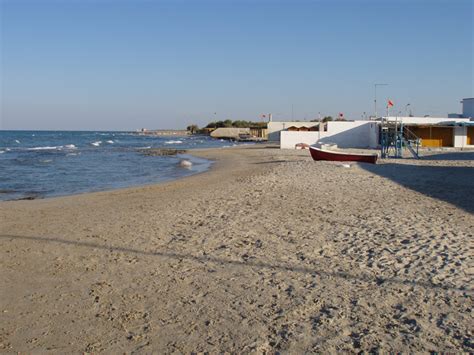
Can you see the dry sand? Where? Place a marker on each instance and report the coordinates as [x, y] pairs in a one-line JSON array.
[[268, 252]]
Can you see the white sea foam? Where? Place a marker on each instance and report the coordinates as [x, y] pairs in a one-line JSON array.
[[111, 142], [46, 161], [17, 141], [2, 151], [173, 142], [44, 148], [96, 144], [58, 147]]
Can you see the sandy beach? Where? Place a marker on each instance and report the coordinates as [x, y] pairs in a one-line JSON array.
[[267, 252]]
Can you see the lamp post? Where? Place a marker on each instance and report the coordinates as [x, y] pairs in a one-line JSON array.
[[375, 97], [406, 110]]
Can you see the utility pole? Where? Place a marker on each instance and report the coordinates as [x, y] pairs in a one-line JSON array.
[[375, 98]]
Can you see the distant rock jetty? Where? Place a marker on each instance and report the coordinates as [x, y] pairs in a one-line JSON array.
[[157, 152]]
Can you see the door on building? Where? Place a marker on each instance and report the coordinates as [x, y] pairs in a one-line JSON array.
[[470, 136], [434, 136]]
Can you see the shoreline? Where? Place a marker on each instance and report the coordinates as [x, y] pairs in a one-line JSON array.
[[188, 152], [266, 251]]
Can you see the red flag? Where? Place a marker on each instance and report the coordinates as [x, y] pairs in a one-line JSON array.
[[390, 103]]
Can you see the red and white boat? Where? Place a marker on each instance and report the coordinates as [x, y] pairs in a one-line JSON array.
[[322, 154]]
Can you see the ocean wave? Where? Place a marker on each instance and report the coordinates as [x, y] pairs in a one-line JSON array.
[[46, 161], [17, 141], [174, 142], [2, 151], [110, 142], [96, 144], [44, 148], [58, 147]]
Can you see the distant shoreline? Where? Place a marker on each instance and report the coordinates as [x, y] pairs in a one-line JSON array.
[[164, 132]]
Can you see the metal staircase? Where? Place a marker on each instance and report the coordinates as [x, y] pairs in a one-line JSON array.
[[394, 136], [412, 142]]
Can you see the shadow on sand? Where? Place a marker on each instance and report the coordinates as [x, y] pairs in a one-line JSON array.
[[244, 263], [452, 184], [278, 161], [466, 155]]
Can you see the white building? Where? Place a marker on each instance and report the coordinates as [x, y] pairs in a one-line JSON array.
[[275, 127], [433, 132], [346, 134], [441, 131], [467, 109]]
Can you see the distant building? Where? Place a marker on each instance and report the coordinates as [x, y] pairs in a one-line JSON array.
[[229, 132], [468, 107], [258, 132]]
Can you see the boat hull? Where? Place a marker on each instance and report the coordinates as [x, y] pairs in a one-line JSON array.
[[319, 154]]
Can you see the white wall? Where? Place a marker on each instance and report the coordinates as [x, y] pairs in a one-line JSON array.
[[357, 134], [373, 134], [288, 139], [274, 128], [460, 137]]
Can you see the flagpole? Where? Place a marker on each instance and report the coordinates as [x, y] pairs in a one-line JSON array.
[[375, 98]]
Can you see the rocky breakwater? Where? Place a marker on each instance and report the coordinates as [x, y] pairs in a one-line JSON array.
[[157, 152]]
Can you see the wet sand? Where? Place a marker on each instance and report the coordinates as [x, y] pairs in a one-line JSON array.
[[268, 252]]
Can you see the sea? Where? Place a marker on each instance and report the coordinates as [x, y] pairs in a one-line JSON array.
[[39, 164]]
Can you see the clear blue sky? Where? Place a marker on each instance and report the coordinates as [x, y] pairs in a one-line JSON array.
[[116, 64]]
